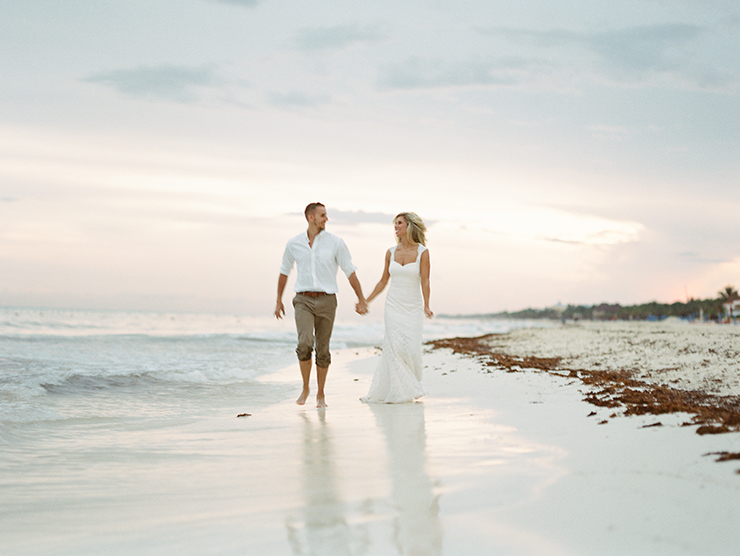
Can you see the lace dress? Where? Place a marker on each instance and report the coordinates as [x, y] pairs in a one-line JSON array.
[[398, 375]]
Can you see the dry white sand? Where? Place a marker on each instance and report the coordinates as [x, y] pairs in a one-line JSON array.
[[684, 355]]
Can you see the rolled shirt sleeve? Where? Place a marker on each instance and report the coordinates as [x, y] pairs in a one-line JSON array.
[[288, 261], [344, 259]]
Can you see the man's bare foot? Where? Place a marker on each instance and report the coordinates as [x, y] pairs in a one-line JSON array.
[[302, 398], [320, 402]]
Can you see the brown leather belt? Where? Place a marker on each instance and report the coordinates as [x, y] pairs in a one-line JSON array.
[[313, 294]]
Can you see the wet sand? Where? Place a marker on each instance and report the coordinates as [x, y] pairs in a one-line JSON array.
[[555, 458]]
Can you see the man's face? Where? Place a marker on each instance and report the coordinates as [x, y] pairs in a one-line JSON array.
[[320, 218]]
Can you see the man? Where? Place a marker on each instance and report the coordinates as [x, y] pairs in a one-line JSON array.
[[317, 254]]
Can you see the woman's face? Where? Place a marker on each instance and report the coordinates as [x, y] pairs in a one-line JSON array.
[[400, 225]]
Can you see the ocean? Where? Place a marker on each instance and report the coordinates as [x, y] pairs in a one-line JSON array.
[[108, 360], [102, 412]]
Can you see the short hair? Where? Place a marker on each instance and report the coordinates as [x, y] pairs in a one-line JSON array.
[[311, 208], [415, 230]]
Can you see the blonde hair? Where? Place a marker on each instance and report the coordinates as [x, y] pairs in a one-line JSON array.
[[415, 229]]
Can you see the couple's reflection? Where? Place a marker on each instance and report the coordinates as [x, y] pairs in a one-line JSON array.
[[416, 526], [325, 525]]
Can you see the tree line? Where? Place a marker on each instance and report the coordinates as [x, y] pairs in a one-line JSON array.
[[693, 309]]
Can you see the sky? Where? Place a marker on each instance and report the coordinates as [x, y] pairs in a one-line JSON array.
[[159, 155]]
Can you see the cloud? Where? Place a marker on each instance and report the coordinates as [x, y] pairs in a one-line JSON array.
[[355, 217], [352, 218], [172, 82], [296, 99], [698, 257], [338, 37], [245, 3], [609, 133], [633, 54], [420, 74], [559, 58], [644, 48]]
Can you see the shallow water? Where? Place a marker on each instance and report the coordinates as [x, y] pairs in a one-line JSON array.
[[58, 364]]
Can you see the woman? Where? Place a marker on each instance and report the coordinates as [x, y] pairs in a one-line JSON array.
[[397, 378]]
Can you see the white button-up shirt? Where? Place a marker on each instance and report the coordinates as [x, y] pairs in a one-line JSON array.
[[317, 265]]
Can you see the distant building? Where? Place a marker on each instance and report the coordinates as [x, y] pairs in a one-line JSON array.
[[732, 309], [559, 308], [605, 311]]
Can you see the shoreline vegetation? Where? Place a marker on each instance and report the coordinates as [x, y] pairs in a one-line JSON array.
[[716, 309], [619, 390], [628, 369]]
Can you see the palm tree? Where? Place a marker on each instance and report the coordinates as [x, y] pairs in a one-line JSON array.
[[728, 294]]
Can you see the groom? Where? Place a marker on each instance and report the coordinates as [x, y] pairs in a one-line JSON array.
[[317, 254]]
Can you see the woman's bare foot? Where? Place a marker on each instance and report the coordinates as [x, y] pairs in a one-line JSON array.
[[302, 398], [320, 401]]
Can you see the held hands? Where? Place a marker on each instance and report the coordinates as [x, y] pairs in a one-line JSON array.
[[362, 309]]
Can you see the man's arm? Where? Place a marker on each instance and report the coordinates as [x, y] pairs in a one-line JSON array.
[[279, 308], [354, 281]]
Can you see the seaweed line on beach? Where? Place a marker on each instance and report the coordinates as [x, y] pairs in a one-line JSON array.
[[714, 414]]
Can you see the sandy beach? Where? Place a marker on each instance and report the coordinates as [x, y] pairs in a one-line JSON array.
[[490, 462]]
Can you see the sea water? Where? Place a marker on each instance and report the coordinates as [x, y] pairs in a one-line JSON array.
[[107, 360], [102, 412]]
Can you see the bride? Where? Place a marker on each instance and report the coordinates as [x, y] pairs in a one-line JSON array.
[[397, 378]]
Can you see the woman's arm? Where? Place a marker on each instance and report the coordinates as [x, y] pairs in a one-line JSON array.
[[425, 268], [380, 286]]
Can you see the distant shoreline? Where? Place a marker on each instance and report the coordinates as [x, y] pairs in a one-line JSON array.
[[693, 310]]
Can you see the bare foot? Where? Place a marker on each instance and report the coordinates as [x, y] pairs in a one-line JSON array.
[[320, 402], [302, 398]]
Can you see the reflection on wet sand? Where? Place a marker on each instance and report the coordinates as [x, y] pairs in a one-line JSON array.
[[417, 530], [401, 520], [324, 525]]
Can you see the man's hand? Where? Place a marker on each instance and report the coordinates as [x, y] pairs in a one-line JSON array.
[[279, 309], [361, 308]]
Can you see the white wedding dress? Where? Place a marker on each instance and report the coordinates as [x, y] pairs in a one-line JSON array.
[[397, 378]]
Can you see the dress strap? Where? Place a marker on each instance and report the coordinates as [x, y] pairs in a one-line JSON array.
[[419, 250]]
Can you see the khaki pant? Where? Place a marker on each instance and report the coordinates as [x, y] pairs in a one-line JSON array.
[[314, 320]]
